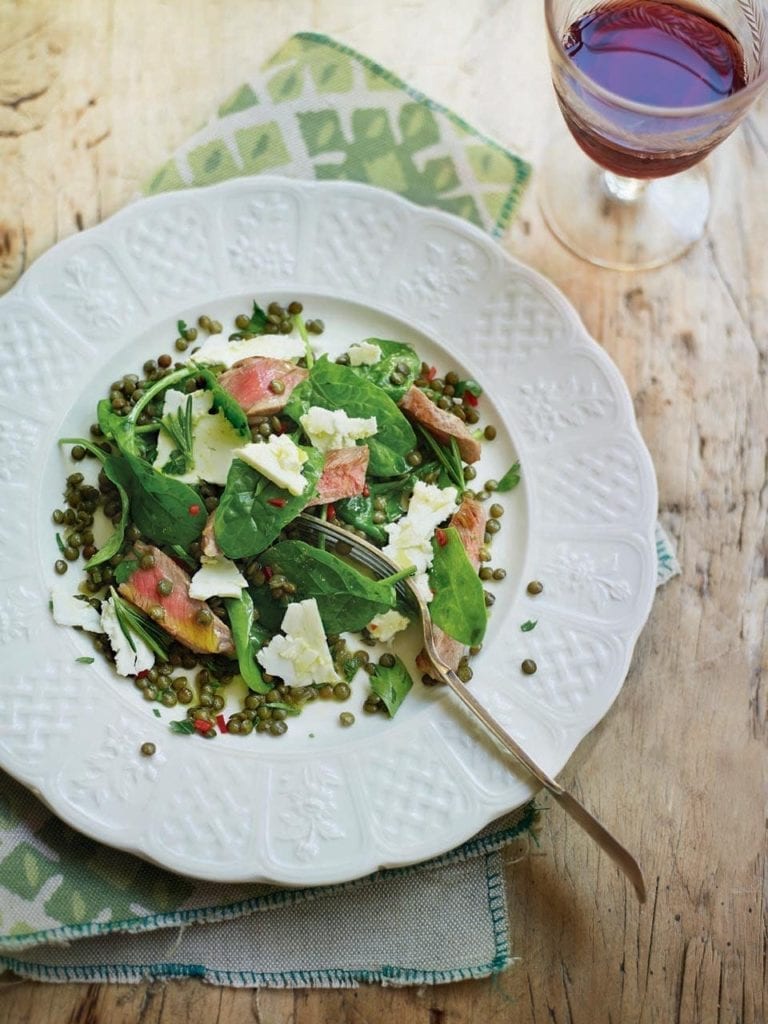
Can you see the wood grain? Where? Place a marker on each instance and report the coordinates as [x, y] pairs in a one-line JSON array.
[[94, 95]]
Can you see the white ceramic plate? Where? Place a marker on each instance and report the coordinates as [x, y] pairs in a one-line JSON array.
[[322, 804]]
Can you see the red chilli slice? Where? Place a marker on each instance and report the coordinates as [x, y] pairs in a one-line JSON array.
[[202, 726], [277, 502], [441, 537], [470, 399], [194, 510], [222, 723]]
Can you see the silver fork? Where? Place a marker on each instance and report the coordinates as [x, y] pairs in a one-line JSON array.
[[370, 556]]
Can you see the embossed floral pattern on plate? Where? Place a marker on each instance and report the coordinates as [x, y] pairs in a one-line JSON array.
[[333, 806]]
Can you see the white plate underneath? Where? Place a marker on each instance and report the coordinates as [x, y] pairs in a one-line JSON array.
[[322, 804]]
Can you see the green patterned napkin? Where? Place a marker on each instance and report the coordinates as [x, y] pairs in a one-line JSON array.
[[317, 110], [320, 110]]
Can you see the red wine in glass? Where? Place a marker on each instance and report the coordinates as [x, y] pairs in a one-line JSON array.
[[658, 54]]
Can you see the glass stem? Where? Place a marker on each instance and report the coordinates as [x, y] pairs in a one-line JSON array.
[[623, 190]]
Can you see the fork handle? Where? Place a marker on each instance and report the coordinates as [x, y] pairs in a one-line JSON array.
[[607, 842]]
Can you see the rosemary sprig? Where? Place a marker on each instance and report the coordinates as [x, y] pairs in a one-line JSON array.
[[134, 624], [178, 426], [449, 458]]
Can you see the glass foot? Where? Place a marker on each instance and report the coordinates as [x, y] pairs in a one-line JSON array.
[[616, 222]]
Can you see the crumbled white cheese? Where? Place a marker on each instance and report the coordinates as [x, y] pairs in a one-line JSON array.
[[218, 351], [214, 439], [301, 657], [364, 353], [216, 577], [279, 460], [385, 625], [329, 429], [68, 610], [128, 662], [410, 538]]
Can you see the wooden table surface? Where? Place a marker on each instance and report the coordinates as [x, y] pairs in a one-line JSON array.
[[94, 95]]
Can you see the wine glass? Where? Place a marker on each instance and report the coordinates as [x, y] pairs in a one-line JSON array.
[[647, 89]]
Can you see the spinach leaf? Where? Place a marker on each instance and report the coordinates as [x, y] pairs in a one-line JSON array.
[[458, 605], [111, 425], [333, 386], [225, 403], [396, 358], [164, 509], [252, 510], [510, 479], [391, 684], [268, 612], [346, 599], [240, 614], [123, 429], [115, 540]]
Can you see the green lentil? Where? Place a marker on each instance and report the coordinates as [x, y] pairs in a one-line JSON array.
[[528, 666], [60, 566], [534, 587], [148, 749], [346, 718]]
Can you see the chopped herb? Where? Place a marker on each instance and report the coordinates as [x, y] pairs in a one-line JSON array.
[[181, 327], [256, 324], [125, 570], [156, 712], [184, 727], [511, 478], [467, 386], [178, 426], [529, 625], [289, 709], [61, 544], [85, 660]]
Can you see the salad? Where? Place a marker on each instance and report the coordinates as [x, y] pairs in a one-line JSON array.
[[180, 508]]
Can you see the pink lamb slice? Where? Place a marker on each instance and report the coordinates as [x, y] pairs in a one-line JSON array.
[[343, 475], [250, 383], [439, 422]]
